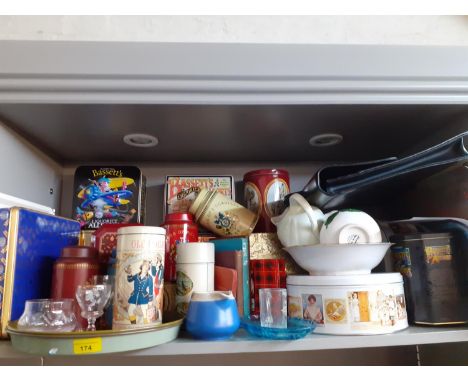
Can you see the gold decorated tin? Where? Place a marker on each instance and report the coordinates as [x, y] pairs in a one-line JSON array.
[[268, 246], [221, 215]]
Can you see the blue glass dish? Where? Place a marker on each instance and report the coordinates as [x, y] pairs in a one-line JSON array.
[[296, 329]]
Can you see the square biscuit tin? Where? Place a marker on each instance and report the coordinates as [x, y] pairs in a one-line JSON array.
[[30, 242], [180, 191], [108, 195]]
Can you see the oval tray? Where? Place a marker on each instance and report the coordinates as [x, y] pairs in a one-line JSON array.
[[85, 343]]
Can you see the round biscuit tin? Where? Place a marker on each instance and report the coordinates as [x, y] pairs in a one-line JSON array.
[[139, 280], [364, 304]]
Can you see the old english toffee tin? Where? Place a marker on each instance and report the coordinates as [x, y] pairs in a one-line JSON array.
[[138, 297]]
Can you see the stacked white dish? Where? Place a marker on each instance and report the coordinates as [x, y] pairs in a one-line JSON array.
[[339, 250]]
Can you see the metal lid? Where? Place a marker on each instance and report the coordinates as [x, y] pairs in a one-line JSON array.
[[195, 253], [370, 279], [261, 172], [178, 217], [80, 251], [420, 236], [141, 230]]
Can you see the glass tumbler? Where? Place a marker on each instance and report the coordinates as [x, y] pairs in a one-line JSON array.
[[273, 307], [48, 315]]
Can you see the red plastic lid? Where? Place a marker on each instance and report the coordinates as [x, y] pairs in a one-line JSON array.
[[178, 217], [261, 172], [79, 251]]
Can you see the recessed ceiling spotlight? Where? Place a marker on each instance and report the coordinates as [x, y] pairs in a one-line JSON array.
[[140, 140], [323, 140]]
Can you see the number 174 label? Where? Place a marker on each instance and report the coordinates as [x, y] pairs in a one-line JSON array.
[[87, 345]]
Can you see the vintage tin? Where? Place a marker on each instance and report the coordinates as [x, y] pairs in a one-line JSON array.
[[195, 272], [434, 274], [108, 194], [30, 242], [180, 228], [265, 273], [76, 266], [105, 240], [360, 304], [264, 191], [268, 246], [221, 215], [139, 281], [181, 191]]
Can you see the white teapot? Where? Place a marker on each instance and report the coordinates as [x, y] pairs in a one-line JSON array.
[[300, 223]]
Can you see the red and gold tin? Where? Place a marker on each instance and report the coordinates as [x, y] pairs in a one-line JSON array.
[[264, 192], [76, 266], [105, 240], [180, 228]]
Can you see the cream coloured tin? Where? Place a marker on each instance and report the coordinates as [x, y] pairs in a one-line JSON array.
[[195, 272], [221, 215], [362, 304], [139, 282]]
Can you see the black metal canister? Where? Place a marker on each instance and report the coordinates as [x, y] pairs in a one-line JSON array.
[[435, 288]]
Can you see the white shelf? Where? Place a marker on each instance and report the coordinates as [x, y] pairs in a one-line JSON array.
[[242, 342]]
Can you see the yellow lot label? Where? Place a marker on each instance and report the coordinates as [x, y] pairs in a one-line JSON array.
[[87, 345]]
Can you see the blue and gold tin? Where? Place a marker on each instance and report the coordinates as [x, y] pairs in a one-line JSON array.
[[30, 242]]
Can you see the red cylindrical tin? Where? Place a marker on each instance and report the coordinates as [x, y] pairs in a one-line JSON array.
[[264, 191], [76, 266], [180, 228]]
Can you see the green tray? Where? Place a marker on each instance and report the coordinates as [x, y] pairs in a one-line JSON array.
[[86, 343]]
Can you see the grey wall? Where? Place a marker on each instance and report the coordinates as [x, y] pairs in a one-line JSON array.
[[26, 172]]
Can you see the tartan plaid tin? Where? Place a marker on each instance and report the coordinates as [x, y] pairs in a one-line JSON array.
[[265, 273]]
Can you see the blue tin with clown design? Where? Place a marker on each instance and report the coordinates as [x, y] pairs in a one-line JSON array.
[[108, 195], [30, 242]]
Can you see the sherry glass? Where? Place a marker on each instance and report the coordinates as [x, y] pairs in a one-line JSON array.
[[92, 300]]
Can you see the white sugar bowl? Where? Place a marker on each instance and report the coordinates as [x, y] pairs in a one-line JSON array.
[[349, 227], [300, 223]]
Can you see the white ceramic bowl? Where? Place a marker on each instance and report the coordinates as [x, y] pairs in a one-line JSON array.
[[338, 259]]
